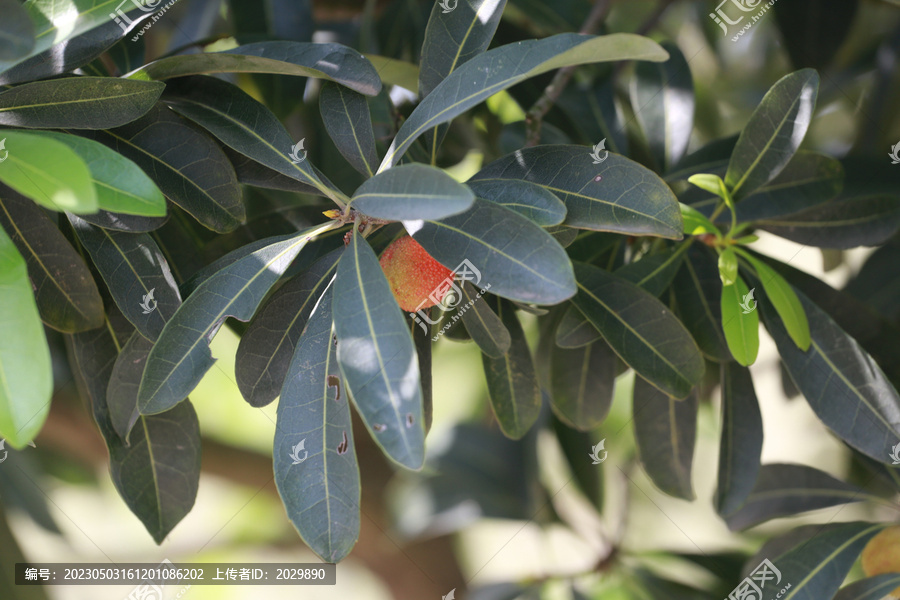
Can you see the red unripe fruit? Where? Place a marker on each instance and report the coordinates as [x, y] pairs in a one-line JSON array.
[[412, 273]]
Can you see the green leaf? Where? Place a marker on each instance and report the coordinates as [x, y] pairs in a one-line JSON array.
[[814, 30], [517, 258], [245, 125], [662, 95], [728, 266], [843, 384], [188, 166], [124, 384], [871, 588], [784, 490], [532, 201], [741, 326], [67, 297], [698, 292], [573, 442], [842, 224], [655, 272], [395, 72], [48, 172], [575, 331], [810, 179], [665, 431], [785, 301], [774, 132], [711, 158], [347, 119], [264, 353], [410, 192], [181, 355], [740, 448], [159, 472], [618, 195], [582, 382], [16, 31], [314, 454], [817, 568], [78, 103], [503, 67], [136, 274], [640, 329], [334, 62], [484, 326], [376, 355], [121, 186], [512, 383], [712, 184], [26, 376], [695, 222]]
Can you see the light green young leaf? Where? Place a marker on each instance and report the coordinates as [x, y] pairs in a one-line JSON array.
[[728, 266], [740, 321], [785, 301]]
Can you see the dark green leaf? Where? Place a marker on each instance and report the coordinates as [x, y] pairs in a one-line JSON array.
[[617, 195], [843, 224], [517, 258], [48, 172], [740, 447], [871, 588], [817, 568], [784, 490], [536, 203], [181, 355], [245, 125], [410, 192], [324, 60], [665, 430], [662, 95], [347, 119], [501, 68], [575, 331], [136, 274], [655, 272], [573, 442], [126, 223], [844, 386], [512, 381], [314, 454], [186, 164], [376, 355], [265, 351], [814, 30], [67, 297], [483, 324], [124, 383], [641, 330], [26, 376], [582, 382], [740, 322], [810, 179], [698, 292], [711, 158], [121, 186], [774, 132], [16, 31], [78, 103]]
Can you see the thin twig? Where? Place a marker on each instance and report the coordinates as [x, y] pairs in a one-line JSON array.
[[540, 108]]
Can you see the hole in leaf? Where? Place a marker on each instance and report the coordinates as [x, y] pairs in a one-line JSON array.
[[409, 420], [343, 446], [378, 427], [335, 382]]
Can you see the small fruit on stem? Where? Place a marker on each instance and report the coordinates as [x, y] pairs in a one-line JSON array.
[[412, 273]]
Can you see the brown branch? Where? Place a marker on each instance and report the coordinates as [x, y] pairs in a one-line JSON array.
[[535, 116]]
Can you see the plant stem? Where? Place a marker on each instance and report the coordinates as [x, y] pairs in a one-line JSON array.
[[551, 94]]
